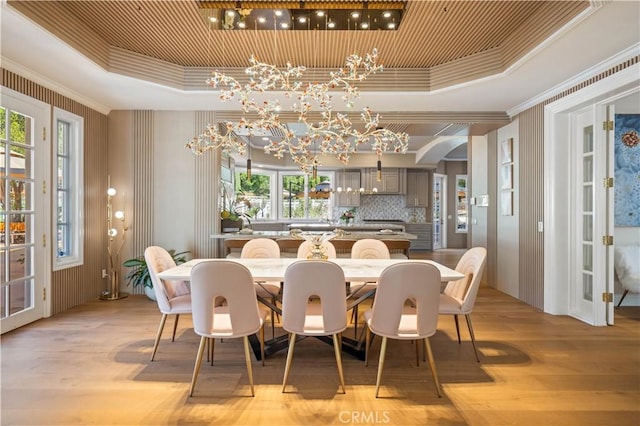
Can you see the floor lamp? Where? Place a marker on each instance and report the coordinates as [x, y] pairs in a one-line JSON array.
[[113, 249]]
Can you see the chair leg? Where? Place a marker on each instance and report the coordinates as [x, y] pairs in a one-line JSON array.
[[337, 349], [473, 337], [622, 298], [213, 346], [175, 327], [262, 344], [158, 335], [383, 350], [355, 322], [367, 343], [417, 343], [247, 357], [292, 342], [273, 324], [273, 316], [432, 365], [196, 367], [455, 317]]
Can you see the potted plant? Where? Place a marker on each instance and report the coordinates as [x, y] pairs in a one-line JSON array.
[[234, 212], [140, 276]]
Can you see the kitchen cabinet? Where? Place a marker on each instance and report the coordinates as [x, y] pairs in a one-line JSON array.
[[423, 232], [394, 180], [417, 188], [348, 179]]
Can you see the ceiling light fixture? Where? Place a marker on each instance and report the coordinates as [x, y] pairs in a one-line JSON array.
[[334, 133], [316, 14]]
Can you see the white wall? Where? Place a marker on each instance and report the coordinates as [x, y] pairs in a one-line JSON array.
[[507, 262], [174, 179], [478, 155]]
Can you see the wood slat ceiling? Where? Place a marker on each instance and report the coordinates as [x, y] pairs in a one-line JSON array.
[[438, 44], [432, 33]]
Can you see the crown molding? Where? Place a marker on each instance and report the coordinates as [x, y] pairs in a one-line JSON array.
[[14, 67], [625, 55]]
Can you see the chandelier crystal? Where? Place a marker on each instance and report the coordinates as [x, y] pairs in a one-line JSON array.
[[333, 134]]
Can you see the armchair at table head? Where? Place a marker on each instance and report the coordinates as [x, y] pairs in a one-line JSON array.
[[459, 297], [240, 316], [368, 248], [263, 248], [328, 317], [258, 248], [170, 301], [392, 318]]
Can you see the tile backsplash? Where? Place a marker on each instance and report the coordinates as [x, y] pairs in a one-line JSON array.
[[385, 207]]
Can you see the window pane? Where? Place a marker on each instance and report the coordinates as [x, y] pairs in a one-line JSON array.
[[587, 287], [587, 233], [19, 126], [257, 192], [587, 169], [19, 266], [319, 201], [20, 161], [293, 201], [20, 297], [587, 198], [3, 124]]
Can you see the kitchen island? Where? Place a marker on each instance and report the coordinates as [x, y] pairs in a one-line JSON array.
[[398, 242], [346, 235]]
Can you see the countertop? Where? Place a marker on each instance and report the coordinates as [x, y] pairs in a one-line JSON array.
[[348, 235], [322, 226]]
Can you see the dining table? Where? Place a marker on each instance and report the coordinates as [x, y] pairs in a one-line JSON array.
[[273, 269]]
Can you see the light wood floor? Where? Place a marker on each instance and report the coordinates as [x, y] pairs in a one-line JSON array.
[[90, 365]]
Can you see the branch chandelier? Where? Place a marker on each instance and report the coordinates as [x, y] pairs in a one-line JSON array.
[[334, 134]]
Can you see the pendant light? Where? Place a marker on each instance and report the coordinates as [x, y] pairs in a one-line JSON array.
[[249, 164]]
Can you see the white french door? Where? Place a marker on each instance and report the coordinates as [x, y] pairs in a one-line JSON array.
[[439, 211], [590, 275], [24, 166]]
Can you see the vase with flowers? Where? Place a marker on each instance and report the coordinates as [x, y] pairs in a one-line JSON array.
[[348, 216], [235, 212]]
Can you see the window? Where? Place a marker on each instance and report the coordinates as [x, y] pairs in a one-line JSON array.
[[68, 201], [272, 195], [255, 194], [301, 198]]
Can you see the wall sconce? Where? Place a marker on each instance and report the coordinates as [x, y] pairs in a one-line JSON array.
[[115, 242]]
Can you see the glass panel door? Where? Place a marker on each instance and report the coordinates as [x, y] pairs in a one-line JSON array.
[[21, 259], [589, 208], [439, 211]]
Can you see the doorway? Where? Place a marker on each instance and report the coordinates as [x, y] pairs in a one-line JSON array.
[[439, 211], [578, 273], [23, 209]]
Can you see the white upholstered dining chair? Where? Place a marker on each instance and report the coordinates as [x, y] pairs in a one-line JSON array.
[[302, 316], [173, 298], [393, 317], [459, 297], [263, 248], [239, 316], [366, 248]]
